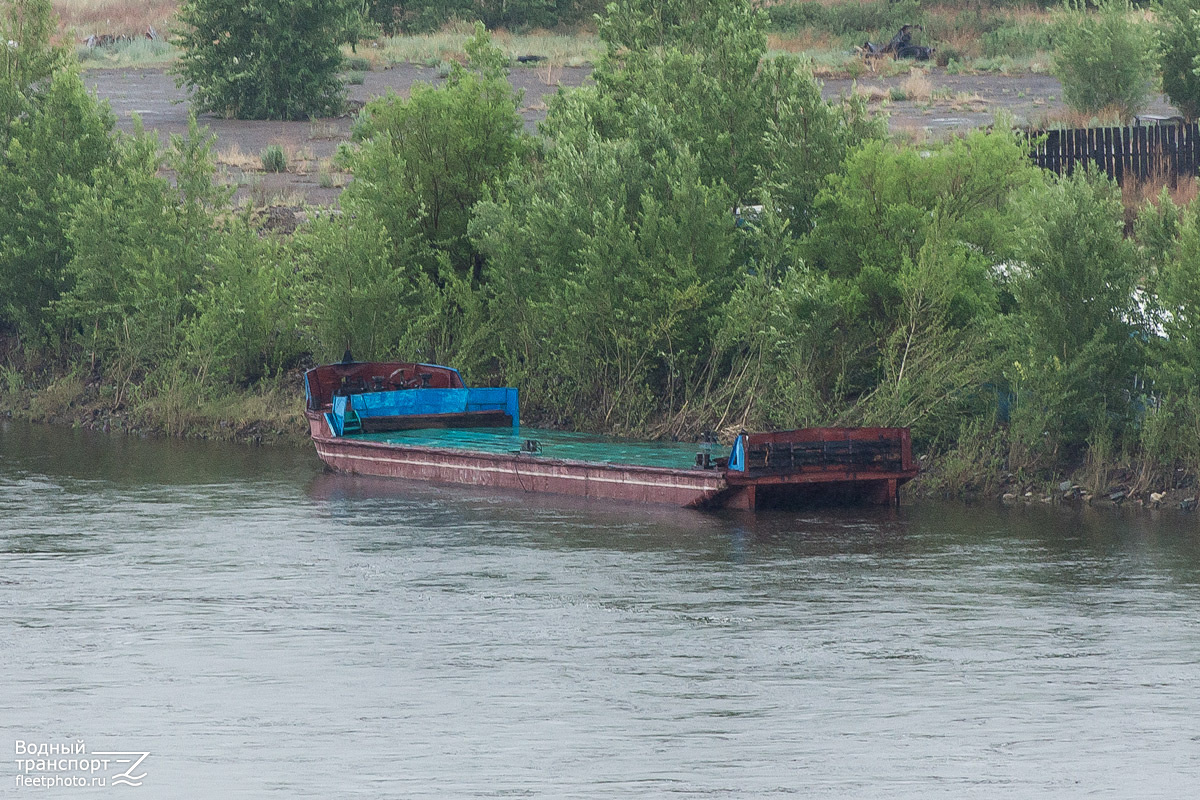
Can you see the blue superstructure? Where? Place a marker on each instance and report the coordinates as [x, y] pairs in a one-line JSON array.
[[349, 410]]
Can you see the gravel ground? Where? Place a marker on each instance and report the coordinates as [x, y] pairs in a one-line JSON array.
[[152, 95], [968, 101], [975, 99]]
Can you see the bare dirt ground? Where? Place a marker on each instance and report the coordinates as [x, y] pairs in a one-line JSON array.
[[152, 96], [954, 102], [961, 102]]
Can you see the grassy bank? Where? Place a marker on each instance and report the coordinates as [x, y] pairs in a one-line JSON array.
[[270, 412]]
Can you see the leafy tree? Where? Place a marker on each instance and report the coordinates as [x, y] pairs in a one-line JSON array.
[[1105, 60], [246, 324], [685, 71], [878, 210], [932, 359], [1170, 430], [139, 244], [804, 138], [774, 361], [1178, 29], [1176, 366], [632, 214], [424, 161], [356, 293], [1076, 329], [357, 24], [604, 272], [52, 135], [263, 59], [1156, 231], [694, 74], [53, 151], [27, 58], [872, 228]]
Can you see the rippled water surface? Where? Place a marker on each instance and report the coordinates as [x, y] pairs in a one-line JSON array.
[[264, 629]]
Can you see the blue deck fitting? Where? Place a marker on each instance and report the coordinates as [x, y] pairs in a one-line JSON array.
[[737, 458]]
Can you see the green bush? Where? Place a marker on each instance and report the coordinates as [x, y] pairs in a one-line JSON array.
[[51, 160], [796, 16], [1178, 31], [354, 296], [24, 69], [273, 159], [253, 59], [1170, 433], [1076, 343], [1105, 59], [946, 55], [651, 266], [1019, 39], [424, 160], [1177, 287], [139, 245], [246, 324]]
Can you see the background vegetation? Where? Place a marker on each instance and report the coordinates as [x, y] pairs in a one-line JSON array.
[[263, 59], [987, 34], [1178, 39], [696, 241], [1105, 59]]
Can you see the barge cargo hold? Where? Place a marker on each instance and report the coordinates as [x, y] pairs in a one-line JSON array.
[[419, 421]]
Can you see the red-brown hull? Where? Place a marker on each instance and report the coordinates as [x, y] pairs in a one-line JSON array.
[[693, 488], [521, 472]]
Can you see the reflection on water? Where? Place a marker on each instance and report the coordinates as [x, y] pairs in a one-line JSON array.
[[266, 629]]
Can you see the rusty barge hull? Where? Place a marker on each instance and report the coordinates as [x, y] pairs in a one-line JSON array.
[[358, 413], [521, 473], [627, 483]]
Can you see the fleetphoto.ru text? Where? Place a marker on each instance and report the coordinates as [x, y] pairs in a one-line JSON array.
[[48, 765]]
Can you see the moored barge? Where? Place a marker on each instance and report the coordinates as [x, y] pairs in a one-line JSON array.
[[421, 422]]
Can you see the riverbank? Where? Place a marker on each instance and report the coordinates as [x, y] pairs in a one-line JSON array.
[[272, 414], [1122, 487]]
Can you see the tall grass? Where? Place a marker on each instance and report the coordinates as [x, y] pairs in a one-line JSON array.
[[447, 45], [1000, 37], [136, 53], [81, 18], [1010, 37], [1137, 194]]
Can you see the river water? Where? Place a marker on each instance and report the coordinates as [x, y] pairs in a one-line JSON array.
[[263, 629]]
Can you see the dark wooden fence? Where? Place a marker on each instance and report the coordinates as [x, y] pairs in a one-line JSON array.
[[1165, 152]]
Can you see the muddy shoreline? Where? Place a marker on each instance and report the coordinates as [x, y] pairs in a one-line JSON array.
[[1123, 488]]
